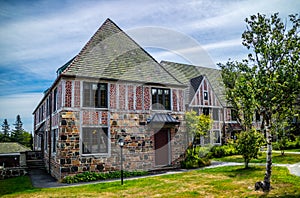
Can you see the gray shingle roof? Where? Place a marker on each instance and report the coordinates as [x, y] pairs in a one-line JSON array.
[[12, 147], [184, 73], [112, 54], [163, 118]]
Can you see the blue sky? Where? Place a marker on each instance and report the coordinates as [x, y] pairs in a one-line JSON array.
[[37, 37]]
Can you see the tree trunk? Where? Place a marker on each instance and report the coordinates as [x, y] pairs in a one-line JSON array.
[[265, 185], [267, 178]]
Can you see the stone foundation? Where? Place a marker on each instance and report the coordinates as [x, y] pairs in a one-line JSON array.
[[6, 173]]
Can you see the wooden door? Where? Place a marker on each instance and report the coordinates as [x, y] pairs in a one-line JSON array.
[[162, 147]]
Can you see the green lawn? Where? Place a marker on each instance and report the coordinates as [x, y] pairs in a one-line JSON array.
[[291, 150], [217, 182], [277, 158]]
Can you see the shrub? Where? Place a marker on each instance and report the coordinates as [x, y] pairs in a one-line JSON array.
[[94, 176], [195, 157], [221, 151]]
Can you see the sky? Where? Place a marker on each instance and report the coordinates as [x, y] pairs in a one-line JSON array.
[[39, 36]]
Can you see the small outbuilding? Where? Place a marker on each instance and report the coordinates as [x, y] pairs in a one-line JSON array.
[[12, 154]]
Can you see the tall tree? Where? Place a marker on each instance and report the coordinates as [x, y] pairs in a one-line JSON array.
[[5, 136], [272, 71], [17, 133]]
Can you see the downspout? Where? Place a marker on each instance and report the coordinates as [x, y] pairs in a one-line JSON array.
[[50, 126]]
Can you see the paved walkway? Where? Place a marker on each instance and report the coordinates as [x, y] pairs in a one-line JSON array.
[[41, 179]]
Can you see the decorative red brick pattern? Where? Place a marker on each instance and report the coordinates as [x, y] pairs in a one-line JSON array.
[[181, 100], [139, 98], [95, 118], [104, 118], [122, 96], [59, 96], [112, 96], [68, 92], [130, 97], [174, 98], [86, 117], [146, 98], [77, 94]]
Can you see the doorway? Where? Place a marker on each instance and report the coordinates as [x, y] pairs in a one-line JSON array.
[[162, 147]]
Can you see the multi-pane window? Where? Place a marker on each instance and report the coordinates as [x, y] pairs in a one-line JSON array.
[[215, 114], [55, 99], [205, 111], [217, 136], [95, 95], [94, 140], [161, 98], [233, 115], [54, 140]]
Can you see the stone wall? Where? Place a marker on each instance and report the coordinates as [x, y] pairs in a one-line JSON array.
[[6, 173]]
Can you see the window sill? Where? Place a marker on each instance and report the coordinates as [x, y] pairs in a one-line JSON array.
[[95, 155]]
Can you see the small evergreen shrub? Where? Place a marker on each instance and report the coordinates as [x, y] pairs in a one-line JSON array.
[[95, 176]]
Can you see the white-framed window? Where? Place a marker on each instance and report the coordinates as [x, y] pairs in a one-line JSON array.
[[215, 114], [54, 140], [95, 95], [161, 98], [217, 136], [94, 140], [205, 95]]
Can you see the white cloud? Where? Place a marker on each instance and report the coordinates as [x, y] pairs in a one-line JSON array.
[[19, 104]]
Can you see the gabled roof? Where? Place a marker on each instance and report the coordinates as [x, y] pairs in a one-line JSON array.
[[12, 147], [194, 85], [190, 75], [112, 54]]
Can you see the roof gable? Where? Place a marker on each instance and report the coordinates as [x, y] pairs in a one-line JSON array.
[[112, 54], [197, 97], [184, 73]]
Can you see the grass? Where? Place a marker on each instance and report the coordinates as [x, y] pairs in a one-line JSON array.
[[15, 185], [216, 182], [291, 150], [277, 158]]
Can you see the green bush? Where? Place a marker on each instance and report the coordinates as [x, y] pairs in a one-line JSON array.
[[222, 151], [195, 157], [94, 176], [288, 144]]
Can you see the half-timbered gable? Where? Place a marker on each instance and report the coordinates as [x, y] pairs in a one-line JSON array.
[[204, 94]]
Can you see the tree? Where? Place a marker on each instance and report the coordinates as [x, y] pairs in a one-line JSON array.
[[248, 144], [270, 74], [197, 125], [17, 133], [5, 136]]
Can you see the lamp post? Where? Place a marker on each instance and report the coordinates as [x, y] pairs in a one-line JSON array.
[[121, 144]]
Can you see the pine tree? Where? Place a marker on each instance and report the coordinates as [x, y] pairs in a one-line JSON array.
[[17, 134], [5, 136]]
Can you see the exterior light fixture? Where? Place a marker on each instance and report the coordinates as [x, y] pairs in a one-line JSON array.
[[121, 144]]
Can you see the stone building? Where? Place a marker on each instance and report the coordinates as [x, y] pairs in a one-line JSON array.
[[111, 89]]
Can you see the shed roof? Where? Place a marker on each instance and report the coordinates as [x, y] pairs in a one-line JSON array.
[[12, 147]]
